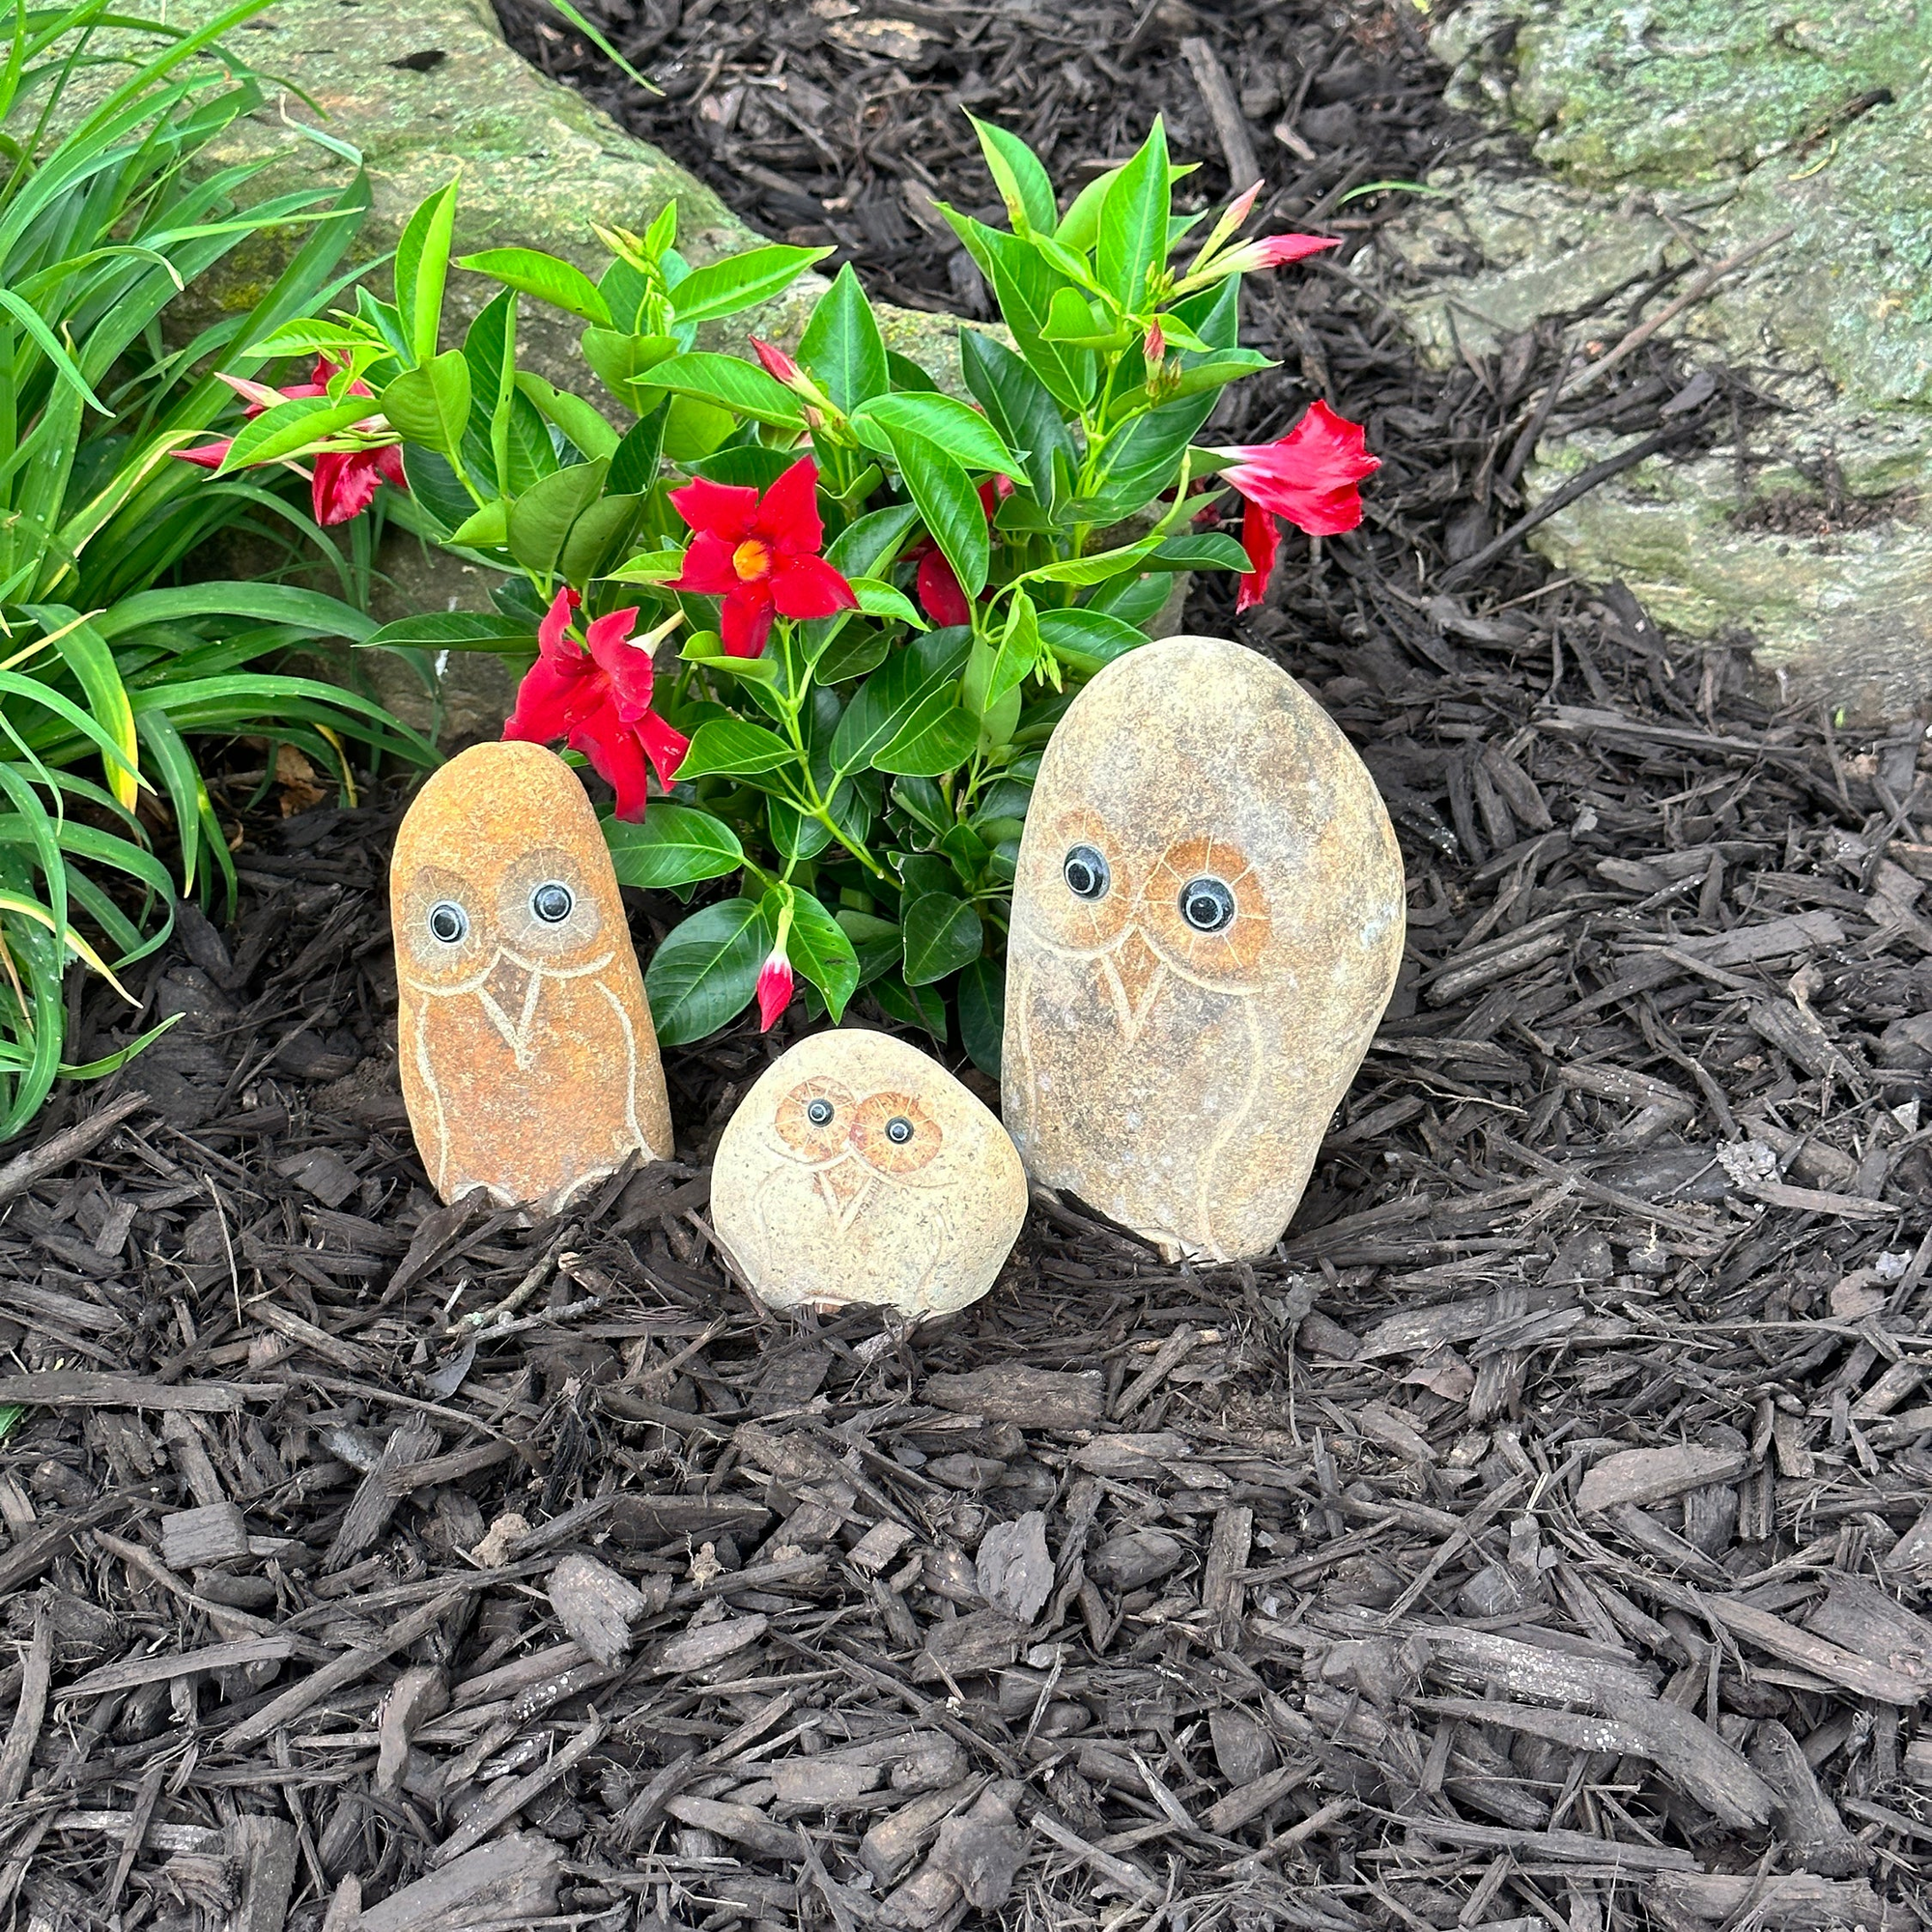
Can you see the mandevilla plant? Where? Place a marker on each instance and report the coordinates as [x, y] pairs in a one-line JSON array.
[[886, 594]]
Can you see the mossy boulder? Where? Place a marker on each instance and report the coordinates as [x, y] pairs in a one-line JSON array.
[[1695, 126]]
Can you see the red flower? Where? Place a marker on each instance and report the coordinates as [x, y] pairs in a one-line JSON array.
[[775, 977], [1309, 476], [759, 554], [596, 697], [344, 481], [1261, 538], [941, 594]]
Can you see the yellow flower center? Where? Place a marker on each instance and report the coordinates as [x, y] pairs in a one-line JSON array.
[[752, 561]]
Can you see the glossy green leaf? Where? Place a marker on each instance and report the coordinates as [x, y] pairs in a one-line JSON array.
[[922, 674], [962, 433], [728, 384], [820, 950], [706, 974], [881, 600], [547, 277], [1132, 242], [430, 404], [1024, 185], [1018, 407], [674, 845], [572, 414], [740, 281], [842, 347], [982, 1013], [291, 428], [541, 518], [950, 505], [1198, 550], [733, 747], [1086, 639], [942, 934], [456, 631], [422, 269]]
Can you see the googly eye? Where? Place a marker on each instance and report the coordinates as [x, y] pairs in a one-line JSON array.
[[1207, 904], [1086, 874], [899, 1130], [819, 1113], [551, 901], [448, 921]]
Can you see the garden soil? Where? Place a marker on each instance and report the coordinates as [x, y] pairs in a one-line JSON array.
[[1537, 1538]]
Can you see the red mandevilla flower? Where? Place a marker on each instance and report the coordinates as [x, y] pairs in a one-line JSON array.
[[596, 697], [1309, 476], [941, 594], [760, 555], [344, 481], [775, 977]]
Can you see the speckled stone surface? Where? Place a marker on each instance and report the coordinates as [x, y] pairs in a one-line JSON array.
[[857, 1170], [529, 1064], [1208, 919]]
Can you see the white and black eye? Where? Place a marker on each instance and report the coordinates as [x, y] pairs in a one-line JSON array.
[[448, 921], [899, 1130], [1086, 874], [1207, 904], [551, 901], [818, 1112]]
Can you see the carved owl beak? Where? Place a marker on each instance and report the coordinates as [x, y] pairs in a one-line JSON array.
[[842, 1183], [508, 985], [1134, 972]]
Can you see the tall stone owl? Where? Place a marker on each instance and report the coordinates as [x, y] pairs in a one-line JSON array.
[[1208, 919], [858, 1169], [529, 1063]]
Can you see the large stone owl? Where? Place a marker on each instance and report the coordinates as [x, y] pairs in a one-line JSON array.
[[1208, 919], [858, 1169], [529, 1063]]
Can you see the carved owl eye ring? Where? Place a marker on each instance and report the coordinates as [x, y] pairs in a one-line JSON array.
[[551, 901], [1086, 874], [447, 923], [899, 1130], [819, 1111], [1207, 904]]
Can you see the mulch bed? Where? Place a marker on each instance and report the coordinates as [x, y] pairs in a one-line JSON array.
[[1533, 1539]]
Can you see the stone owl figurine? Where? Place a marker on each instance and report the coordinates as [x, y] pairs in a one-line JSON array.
[[858, 1169], [529, 1064], [1207, 919]]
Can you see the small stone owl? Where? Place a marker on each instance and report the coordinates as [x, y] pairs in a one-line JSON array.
[[529, 1063], [858, 1169], [1207, 921]]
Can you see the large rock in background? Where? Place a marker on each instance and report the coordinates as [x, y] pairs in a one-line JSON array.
[[427, 90], [1673, 125]]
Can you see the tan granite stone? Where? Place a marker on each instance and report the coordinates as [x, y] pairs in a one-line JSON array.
[[529, 1059], [858, 1169], [1208, 919]]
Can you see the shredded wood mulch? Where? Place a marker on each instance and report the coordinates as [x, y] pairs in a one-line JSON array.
[[1538, 1538]]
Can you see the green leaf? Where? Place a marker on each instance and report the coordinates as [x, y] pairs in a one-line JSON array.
[[982, 1013], [733, 747], [540, 519], [842, 347], [633, 466], [1203, 550], [289, 428], [603, 531], [549, 278], [1094, 569], [820, 949], [422, 268], [1070, 318], [728, 384], [950, 505], [882, 600], [1018, 407], [1132, 242], [572, 414], [911, 1006], [1024, 185], [962, 433], [430, 404], [706, 974], [674, 846], [739, 281], [942, 934], [621, 361], [1080, 226], [1087, 640], [456, 631], [878, 943], [890, 699], [938, 737]]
